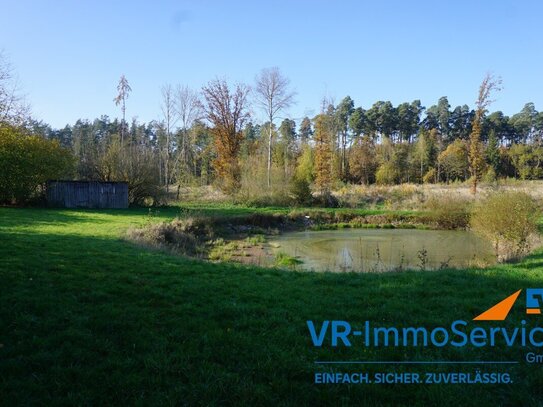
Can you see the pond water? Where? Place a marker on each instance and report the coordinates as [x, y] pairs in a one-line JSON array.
[[378, 250]]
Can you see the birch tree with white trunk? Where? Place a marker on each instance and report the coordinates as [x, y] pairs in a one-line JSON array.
[[272, 96]]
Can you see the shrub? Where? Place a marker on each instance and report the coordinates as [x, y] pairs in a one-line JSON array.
[[508, 220], [490, 176], [306, 166], [454, 161], [135, 165], [27, 162], [300, 191], [386, 174], [525, 160], [448, 212]]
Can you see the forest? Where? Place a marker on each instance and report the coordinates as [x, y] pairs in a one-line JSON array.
[[212, 136]]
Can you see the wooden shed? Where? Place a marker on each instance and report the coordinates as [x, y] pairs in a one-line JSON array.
[[87, 194]]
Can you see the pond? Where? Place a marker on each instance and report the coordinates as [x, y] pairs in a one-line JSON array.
[[378, 250]]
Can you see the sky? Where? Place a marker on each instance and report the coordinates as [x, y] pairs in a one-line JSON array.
[[69, 55]]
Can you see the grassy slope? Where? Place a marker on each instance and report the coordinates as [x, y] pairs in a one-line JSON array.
[[89, 319]]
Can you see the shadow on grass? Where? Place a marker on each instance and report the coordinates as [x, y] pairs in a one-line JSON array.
[[24, 217], [167, 330]]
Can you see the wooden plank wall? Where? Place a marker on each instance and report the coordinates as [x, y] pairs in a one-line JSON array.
[[87, 194]]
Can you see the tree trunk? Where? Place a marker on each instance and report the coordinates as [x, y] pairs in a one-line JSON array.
[[167, 164], [344, 156], [124, 121], [474, 184], [270, 152]]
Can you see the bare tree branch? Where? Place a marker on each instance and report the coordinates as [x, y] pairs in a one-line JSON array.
[[272, 96], [13, 107], [123, 89]]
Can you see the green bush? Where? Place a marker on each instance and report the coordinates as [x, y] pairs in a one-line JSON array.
[[301, 191], [386, 174], [490, 176], [27, 162], [508, 220]]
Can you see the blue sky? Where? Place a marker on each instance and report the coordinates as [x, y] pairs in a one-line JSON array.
[[69, 55]]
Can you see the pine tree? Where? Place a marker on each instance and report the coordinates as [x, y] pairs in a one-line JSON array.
[[305, 130]]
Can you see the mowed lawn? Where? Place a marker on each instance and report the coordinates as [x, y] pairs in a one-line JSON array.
[[87, 318]]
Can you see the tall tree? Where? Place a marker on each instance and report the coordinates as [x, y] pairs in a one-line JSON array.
[[493, 152], [498, 124], [444, 117], [388, 119], [362, 161], [305, 130], [343, 113], [123, 89], [13, 109], [289, 147], [170, 118], [524, 123], [189, 110], [422, 153], [273, 96], [323, 154], [227, 112], [382, 118], [454, 161], [408, 116], [476, 156], [461, 123], [357, 122]]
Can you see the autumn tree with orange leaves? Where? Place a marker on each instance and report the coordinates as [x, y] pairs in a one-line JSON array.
[[226, 111]]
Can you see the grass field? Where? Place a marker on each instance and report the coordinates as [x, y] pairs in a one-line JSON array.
[[88, 318]]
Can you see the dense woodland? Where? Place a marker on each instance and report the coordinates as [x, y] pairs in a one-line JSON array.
[[207, 137]]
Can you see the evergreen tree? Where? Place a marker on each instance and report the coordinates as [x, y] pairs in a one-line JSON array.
[[493, 152]]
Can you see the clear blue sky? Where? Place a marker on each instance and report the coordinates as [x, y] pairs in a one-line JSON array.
[[69, 55]]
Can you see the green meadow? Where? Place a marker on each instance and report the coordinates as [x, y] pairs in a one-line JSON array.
[[89, 318]]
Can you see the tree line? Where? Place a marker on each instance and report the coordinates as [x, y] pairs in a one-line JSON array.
[[208, 137]]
